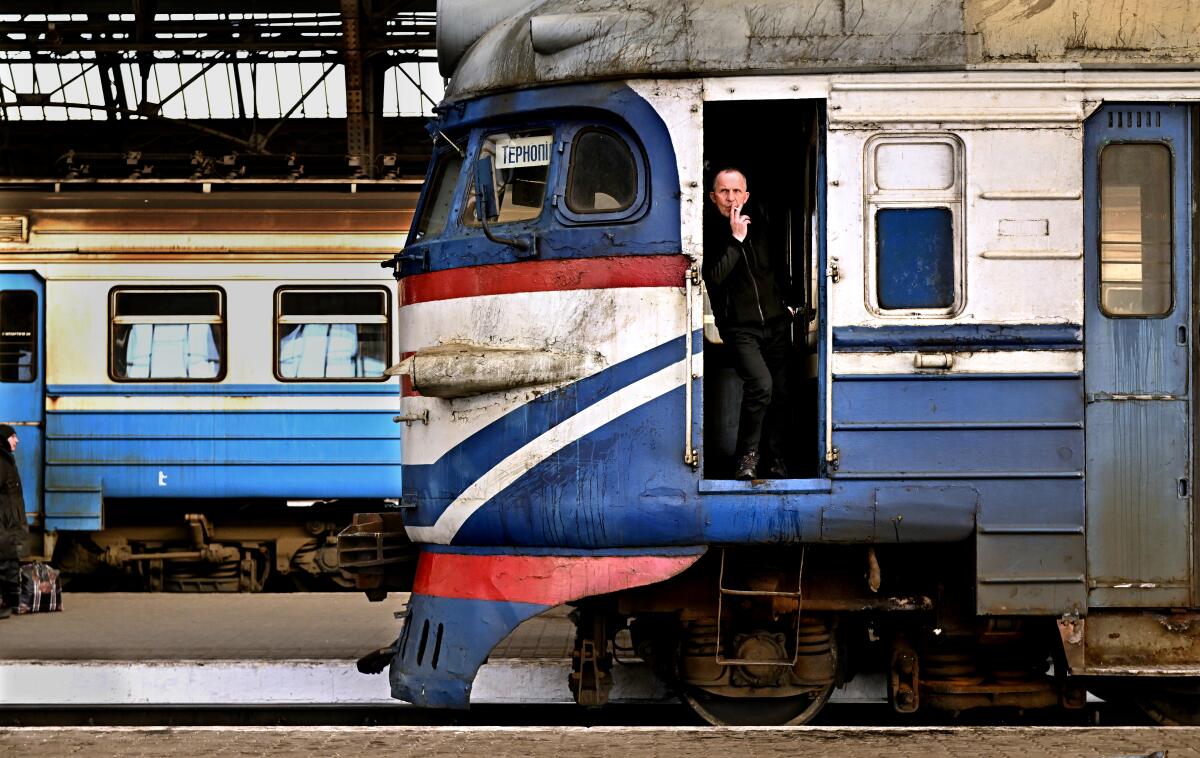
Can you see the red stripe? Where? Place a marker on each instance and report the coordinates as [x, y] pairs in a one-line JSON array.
[[541, 579], [545, 276]]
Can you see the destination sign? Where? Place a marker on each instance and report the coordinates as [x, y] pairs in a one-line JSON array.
[[520, 152]]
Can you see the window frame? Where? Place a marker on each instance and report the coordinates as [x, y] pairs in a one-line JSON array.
[[1170, 148], [438, 166], [634, 210], [952, 198], [467, 221], [276, 315], [222, 344]]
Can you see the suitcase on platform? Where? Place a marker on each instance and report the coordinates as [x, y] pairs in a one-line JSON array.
[[41, 591]]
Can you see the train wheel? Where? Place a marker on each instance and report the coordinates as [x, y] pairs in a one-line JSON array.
[[758, 711], [1170, 702], [788, 710]]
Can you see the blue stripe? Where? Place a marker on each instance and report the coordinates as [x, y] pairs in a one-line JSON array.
[[851, 339], [475, 456], [220, 452], [957, 399], [104, 426], [304, 480], [228, 390], [905, 427]]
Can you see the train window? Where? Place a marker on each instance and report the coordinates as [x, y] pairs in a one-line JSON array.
[[915, 257], [326, 334], [441, 194], [603, 177], [913, 224], [522, 161], [1135, 230], [18, 335], [167, 334]]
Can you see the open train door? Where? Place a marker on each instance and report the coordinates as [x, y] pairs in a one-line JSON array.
[[1138, 185], [22, 376]]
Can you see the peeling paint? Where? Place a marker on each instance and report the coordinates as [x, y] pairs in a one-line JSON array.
[[646, 38]]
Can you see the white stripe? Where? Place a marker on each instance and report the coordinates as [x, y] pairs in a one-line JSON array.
[[614, 324], [333, 403], [554, 439], [980, 362]]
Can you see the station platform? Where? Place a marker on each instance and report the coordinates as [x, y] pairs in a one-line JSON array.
[[273, 650], [257, 650]]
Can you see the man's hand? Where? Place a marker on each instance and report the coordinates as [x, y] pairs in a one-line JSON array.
[[739, 224]]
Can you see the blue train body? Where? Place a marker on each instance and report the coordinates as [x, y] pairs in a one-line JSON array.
[[989, 416], [199, 389]]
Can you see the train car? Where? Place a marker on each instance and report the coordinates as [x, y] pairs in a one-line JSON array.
[[989, 211], [196, 371]]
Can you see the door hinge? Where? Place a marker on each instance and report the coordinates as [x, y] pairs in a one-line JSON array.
[[833, 458], [833, 272], [691, 458]]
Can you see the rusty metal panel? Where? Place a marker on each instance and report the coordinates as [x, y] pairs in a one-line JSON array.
[[1087, 31], [224, 220], [1129, 643]]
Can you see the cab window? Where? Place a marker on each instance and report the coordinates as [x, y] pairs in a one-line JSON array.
[[522, 161], [603, 177]]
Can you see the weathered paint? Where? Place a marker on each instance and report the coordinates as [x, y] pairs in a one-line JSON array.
[[574, 40], [1138, 373], [120, 224]]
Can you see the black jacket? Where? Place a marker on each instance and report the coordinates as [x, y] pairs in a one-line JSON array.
[[13, 529], [742, 279]]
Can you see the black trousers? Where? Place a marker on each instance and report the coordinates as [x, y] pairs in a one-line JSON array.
[[760, 359], [10, 580]]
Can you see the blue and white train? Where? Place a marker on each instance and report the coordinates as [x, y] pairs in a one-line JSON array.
[[989, 208], [197, 376]]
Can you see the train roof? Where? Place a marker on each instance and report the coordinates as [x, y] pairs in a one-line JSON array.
[[496, 45]]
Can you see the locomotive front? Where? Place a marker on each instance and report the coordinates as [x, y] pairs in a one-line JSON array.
[[548, 344]]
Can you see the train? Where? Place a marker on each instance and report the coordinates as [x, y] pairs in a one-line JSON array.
[[989, 211], [197, 373]]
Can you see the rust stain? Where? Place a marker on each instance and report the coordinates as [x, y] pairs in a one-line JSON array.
[[224, 220]]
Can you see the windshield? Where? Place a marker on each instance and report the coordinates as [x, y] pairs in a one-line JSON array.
[[522, 167]]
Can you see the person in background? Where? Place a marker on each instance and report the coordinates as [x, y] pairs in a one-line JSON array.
[[753, 321], [14, 530]]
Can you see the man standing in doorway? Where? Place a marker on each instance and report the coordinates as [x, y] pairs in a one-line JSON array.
[[753, 321], [13, 528]]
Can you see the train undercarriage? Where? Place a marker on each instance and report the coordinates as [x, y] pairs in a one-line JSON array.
[[190, 546], [764, 635]]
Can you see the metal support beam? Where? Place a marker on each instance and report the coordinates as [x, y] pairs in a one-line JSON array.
[[358, 91]]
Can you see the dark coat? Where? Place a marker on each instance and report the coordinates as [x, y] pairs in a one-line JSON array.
[[742, 278], [13, 527]]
